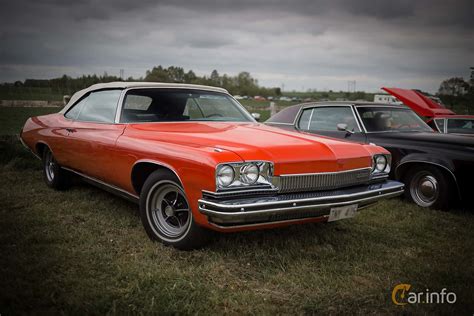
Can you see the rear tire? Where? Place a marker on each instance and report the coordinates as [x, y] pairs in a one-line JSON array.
[[428, 186], [166, 214], [54, 176]]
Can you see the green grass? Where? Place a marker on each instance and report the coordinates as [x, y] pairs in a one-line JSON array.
[[85, 251], [12, 119], [29, 93]]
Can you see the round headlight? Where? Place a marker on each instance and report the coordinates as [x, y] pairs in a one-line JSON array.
[[249, 173], [225, 175], [380, 163]]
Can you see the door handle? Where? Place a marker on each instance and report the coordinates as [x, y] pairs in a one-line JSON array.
[[70, 130]]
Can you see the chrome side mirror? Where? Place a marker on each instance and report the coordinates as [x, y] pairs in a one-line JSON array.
[[256, 116], [343, 128]]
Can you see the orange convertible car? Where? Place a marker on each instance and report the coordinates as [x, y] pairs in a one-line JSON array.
[[195, 160]]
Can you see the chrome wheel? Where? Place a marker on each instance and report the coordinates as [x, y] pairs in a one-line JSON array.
[[169, 210], [50, 166], [424, 189]]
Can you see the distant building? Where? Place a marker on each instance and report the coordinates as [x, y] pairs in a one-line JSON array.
[[386, 98]]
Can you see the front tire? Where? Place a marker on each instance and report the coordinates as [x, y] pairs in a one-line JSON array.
[[428, 186], [166, 214], [54, 176]]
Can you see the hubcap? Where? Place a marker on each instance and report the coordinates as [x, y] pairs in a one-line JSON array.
[[424, 189], [170, 211], [50, 166]]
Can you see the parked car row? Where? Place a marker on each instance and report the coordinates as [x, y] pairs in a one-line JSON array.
[[436, 115], [271, 98], [436, 168], [196, 161]]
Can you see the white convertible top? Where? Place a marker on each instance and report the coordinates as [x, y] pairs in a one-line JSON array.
[[124, 85]]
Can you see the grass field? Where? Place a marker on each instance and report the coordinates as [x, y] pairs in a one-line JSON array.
[[85, 251], [12, 119], [29, 93]]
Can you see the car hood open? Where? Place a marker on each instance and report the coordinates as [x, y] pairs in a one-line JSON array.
[[418, 102], [290, 151]]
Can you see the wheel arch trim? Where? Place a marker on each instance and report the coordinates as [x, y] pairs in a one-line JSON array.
[[37, 145], [156, 163], [420, 161]]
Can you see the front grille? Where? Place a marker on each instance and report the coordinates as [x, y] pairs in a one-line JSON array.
[[323, 181]]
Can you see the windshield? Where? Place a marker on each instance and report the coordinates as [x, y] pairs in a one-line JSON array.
[[461, 126], [388, 119], [177, 105]]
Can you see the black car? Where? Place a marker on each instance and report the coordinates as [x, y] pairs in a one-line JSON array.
[[437, 169]]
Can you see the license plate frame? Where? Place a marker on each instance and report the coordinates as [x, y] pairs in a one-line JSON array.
[[342, 212]]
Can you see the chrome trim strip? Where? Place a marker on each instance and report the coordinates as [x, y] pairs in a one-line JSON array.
[[317, 199], [28, 148], [161, 164], [359, 118], [118, 113], [357, 121], [245, 191], [223, 219], [324, 173], [296, 208], [313, 106], [209, 89], [278, 123], [310, 118], [112, 188]]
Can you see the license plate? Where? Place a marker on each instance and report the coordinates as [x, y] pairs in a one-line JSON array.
[[342, 212]]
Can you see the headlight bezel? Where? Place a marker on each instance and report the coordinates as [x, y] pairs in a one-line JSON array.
[[219, 172], [381, 172], [264, 178]]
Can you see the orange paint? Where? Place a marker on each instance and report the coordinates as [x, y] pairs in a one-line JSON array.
[[108, 152]]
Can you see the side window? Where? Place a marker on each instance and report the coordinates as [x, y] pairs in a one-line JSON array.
[[305, 119], [75, 110], [440, 125], [327, 118], [100, 107]]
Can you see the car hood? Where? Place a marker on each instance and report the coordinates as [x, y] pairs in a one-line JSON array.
[[419, 103], [290, 151]]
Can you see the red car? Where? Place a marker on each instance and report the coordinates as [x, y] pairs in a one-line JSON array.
[[195, 160], [436, 115]]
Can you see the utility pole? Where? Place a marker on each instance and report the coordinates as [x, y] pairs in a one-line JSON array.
[[351, 86]]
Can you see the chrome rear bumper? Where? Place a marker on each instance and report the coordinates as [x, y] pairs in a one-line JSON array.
[[289, 207]]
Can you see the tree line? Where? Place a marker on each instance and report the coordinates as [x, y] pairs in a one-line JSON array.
[[242, 84]]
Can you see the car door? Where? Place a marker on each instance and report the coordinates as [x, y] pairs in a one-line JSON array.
[[93, 135], [328, 121]]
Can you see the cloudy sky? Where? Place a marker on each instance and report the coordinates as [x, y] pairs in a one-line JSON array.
[[299, 44]]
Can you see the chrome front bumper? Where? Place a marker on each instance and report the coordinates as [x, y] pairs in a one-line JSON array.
[[230, 213]]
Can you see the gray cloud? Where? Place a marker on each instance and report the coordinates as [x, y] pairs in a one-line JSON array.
[[311, 44]]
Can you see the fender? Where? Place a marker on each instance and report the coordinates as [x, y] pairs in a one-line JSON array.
[[418, 158], [158, 163], [35, 149]]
